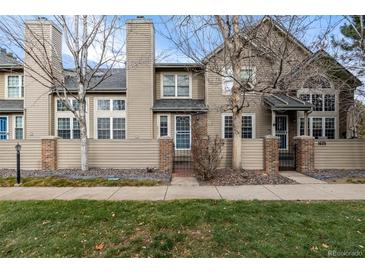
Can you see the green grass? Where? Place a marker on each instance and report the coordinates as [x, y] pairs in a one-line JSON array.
[[180, 229], [62, 182]]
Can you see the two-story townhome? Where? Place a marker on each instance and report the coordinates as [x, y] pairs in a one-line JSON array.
[[149, 100]]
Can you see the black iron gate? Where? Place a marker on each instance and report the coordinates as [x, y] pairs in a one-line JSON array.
[[182, 162], [287, 158]]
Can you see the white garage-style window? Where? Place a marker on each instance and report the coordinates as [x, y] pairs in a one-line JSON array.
[[14, 86], [110, 118], [248, 126], [176, 85]]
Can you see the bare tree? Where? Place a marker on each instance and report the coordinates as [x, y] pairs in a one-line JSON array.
[[83, 35], [224, 44]]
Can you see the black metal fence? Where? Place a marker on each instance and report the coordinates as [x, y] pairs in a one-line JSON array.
[[182, 162], [287, 158]]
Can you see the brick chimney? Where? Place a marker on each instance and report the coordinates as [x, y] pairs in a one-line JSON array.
[[37, 101], [140, 77]]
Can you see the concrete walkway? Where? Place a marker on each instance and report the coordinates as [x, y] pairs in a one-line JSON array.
[[301, 178], [158, 193]]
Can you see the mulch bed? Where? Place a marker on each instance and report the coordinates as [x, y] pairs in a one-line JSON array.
[[136, 174], [325, 174], [229, 177]]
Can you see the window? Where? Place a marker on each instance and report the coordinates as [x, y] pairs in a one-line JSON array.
[[329, 126], [317, 101], [247, 126], [15, 86], [104, 104], [118, 104], [103, 128], [301, 128], [19, 127], [164, 130], [329, 102], [248, 75], [64, 128], [75, 129], [317, 127], [61, 106], [118, 128], [176, 85], [182, 132], [228, 126], [305, 97]]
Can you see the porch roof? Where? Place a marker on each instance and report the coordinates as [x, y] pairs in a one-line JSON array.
[[179, 105], [8, 106], [286, 102]]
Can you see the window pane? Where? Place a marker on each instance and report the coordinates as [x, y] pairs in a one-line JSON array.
[[61, 106], [329, 102], [305, 97], [247, 127], [13, 81], [13, 92], [18, 127], [64, 130], [76, 129], [330, 128], [75, 104], [183, 85], [227, 85], [301, 129], [118, 105], [118, 128], [247, 75], [228, 127], [169, 85], [18, 133], [163, 126], [317, 127], [103, 104], [14, 87], [103, 125], [317, 101]]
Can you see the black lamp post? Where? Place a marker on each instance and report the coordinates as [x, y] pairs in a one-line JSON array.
[[18, 148]]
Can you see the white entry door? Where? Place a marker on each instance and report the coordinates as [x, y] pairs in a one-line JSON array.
[[281, 129]]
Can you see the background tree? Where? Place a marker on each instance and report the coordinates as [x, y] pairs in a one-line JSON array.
[[222, 45], [99, 36]]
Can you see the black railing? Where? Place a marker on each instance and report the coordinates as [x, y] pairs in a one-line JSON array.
[[182, 161], [287, 159]]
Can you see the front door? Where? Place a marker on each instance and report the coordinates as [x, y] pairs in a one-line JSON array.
[[182, 132], [281, 129], [3, 128]]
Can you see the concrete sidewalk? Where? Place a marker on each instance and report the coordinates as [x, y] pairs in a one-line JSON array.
[[159, 193]]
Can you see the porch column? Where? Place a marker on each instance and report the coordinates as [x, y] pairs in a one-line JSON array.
[[273, 122], [304, 153], [271, 155], [306, 123]]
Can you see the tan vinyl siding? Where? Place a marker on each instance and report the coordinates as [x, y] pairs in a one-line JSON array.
[[2, 86], [36, 100], [110, 153], [197, 83], [252, 152], [140, 79], [30, 154], [341, 154]]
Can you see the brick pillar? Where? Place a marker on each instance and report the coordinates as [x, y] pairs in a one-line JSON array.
[[271, 155], [49, 153], [304, 153], [166, 154]]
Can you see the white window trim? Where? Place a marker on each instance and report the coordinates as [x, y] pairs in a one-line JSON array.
[[251, 83], [7, 126], [111, 128], [71, 126], [181, 115], [69, 114], [322, 92], [253, 115], [21, 81], [14, 124], [110, 114], [168, 124], [175, 75], [323, 125]]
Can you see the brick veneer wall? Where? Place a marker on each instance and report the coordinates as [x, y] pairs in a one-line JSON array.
[[166, 154], [49, 153], [304, 153], [271, 155]]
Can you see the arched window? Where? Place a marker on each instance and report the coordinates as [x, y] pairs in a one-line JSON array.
[[317, 81]]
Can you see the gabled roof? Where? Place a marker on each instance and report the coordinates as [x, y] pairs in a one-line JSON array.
[[11, 106], [115, 81], [178, 65], [7, 60], [286, 102], [179, 105]]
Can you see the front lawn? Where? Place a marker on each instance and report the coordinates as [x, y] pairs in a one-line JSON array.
[[63, 182], [180, 229]]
